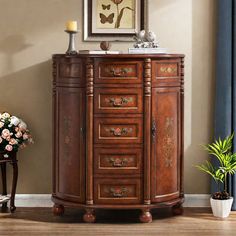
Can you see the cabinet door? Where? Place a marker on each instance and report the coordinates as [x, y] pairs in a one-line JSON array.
[[165, 144], [69, 144]]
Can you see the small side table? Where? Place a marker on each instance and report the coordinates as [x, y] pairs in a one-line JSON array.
[[12, 159]]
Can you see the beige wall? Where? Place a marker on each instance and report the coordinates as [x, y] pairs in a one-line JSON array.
[[32, 30]]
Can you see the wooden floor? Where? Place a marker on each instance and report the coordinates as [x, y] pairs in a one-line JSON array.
[[40, 221]]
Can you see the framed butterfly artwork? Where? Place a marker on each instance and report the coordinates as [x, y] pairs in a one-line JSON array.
[[113, 20]]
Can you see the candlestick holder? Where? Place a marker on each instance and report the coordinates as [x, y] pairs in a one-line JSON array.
[[71, 48]]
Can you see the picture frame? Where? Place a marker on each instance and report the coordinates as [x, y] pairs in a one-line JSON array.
[[113, 20]]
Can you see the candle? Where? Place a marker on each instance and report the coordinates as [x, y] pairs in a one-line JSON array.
[[71, 26]]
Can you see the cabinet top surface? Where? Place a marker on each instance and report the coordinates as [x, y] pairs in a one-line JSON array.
[[119, 55]]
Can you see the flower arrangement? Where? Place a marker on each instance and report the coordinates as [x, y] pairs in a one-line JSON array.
[[13, 134]]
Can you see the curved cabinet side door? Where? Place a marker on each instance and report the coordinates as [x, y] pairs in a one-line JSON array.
[[165, 143], [69, 144]]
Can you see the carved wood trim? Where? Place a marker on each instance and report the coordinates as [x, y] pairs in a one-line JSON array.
[[147, 130], [89, 128], [54, 125], [54, 75], [181, 138], [89, 77]]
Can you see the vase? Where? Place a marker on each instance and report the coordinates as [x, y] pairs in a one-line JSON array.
[[221, 208]]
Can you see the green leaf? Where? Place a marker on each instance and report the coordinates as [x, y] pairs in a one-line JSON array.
[[117, 25], [220, 149]]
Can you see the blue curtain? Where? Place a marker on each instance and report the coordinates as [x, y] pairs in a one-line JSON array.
[[225, 106]]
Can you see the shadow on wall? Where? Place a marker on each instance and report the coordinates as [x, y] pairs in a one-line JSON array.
[[12, 45], [27, 94]]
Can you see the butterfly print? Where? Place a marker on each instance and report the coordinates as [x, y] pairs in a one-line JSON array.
[[107, 19], [104, 7]]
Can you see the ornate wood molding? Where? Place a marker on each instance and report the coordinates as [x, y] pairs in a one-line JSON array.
[[89, 127], [147, 76], [54, 75], [182, 127], [89, 77], [147, 130], [182, 75]]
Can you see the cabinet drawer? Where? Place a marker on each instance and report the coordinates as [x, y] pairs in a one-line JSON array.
[[166, 73], [69, 72], [118, 130], [117, 161], [167, 69], [118, 100], [117, 191], [118, 71], [72, 70]]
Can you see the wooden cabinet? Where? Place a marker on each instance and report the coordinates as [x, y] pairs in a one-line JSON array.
[[69, 144], [118, 132], [165, 144]]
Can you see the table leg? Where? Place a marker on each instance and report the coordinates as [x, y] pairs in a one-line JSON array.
[[4, 182], [13, 191]]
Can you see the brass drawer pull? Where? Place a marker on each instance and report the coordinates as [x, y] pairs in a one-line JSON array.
[[118, 192], [118, 102], [118, 162], [119, 71], [168, 69], [120, 131]]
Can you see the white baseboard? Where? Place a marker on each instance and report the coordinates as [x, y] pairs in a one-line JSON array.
[[33, 200], [44, 200], [197, 200]]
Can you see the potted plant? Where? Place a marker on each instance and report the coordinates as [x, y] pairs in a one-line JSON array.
[[221, 201]]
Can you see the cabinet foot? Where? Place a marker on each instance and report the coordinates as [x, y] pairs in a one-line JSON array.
[[58, 210], [146, 216], [89, 216], [177, 209]]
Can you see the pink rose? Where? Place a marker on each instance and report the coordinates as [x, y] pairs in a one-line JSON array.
[[25, 136], [22, 125], [23, 145], [8, 138], [17, 129], [8, 148], [30, 140], [12, 141], [18, 134], [5, 133]]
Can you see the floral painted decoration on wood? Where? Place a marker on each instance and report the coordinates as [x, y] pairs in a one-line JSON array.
[[14, 134]]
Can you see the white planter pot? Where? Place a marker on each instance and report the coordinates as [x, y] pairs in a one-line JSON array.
[[221, 208]]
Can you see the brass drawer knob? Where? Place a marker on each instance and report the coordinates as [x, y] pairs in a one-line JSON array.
[[118, 192], [118, 102], [118, 162], [119, 71], [168, 69], [120, 131]]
